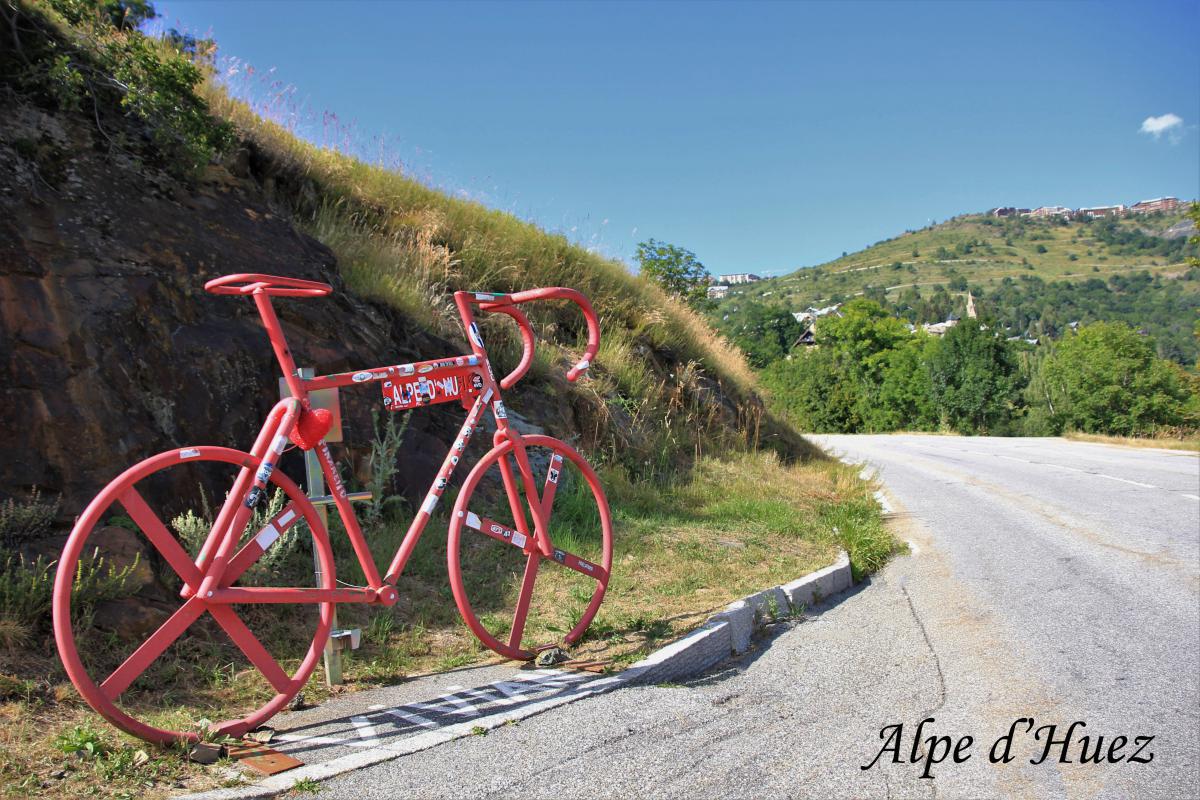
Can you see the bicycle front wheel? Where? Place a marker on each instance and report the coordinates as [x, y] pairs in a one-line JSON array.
[[495, 565], [143, 649]]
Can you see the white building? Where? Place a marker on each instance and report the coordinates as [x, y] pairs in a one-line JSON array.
[[1102, 211], [718, 292], [1049, 211], [738, 277]]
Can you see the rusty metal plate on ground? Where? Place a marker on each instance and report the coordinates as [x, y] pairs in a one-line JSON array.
[[261, 758]]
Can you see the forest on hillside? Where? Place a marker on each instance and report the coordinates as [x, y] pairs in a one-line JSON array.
[[1098, 352]]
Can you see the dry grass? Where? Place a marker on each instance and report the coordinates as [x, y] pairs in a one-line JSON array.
[[1188, 443], [409, 246]]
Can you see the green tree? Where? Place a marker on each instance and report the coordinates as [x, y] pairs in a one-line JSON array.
[[905, 399], [813, 393], [675, 269], [973, 379], [764, 334], [1105, 378]]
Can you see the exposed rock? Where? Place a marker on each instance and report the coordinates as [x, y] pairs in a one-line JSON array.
[[110, 350], [133, 618]]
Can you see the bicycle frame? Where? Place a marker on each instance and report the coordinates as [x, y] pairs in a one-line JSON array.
[[466, 378]]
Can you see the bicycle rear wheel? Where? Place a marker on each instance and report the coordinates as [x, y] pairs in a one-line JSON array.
[[139, 651], [493, 560]]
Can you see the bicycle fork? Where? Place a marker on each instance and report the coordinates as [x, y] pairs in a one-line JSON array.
[[248, 489]]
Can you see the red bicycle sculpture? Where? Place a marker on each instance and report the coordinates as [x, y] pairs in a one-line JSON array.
[[226, 574]]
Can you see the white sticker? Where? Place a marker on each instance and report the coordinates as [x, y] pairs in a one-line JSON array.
[[474, 332], [279, 443], [287, 517], [405, 369], [498, 407], [519, 539], [360, 377], [487, 396], [484, 297], [189, 453], [473, 520], [267, 536], [431, 501], [584, 364], [585, 565]]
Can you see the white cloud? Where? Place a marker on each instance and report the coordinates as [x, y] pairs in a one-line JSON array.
[[1170, 124]]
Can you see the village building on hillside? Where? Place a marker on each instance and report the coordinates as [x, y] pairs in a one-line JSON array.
[[808, 318], [1007, 211], [1157, 204], [940, 328], [1049, 211], [738, 277], [1101, 211], [718, 292]]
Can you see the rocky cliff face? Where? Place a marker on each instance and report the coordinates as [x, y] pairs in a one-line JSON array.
[[110, 350]]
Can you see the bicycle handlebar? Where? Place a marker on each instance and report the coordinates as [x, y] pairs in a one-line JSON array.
[[505, 304], [274, 285]]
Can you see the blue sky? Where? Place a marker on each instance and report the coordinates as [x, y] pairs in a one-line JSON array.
[[763, 137]]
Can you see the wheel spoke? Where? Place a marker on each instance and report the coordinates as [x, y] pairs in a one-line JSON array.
[[580, 565], [258, 544], [491, 528], [166, 544], [249, 644], [152, 648], [518, 626], [553, 472]]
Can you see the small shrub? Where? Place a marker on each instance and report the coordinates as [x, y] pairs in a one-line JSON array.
[[81, 741], [26, 589], [28, 520], [385, 446]]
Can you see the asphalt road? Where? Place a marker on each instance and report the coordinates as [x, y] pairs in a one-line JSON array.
[[1050, 580]]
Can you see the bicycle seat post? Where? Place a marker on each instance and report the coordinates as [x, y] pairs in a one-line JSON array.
[[279, 344]]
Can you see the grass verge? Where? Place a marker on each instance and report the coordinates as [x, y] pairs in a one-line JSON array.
[[1188, 443], [734, 525]]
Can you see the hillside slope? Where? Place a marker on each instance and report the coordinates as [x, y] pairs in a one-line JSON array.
[[108, 236], [1035, 276]]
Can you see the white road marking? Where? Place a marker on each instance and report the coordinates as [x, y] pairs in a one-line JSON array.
[[1191, 496], [366, 731], [1124, 480], [409, 716], [291, 738], [462, 705]]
